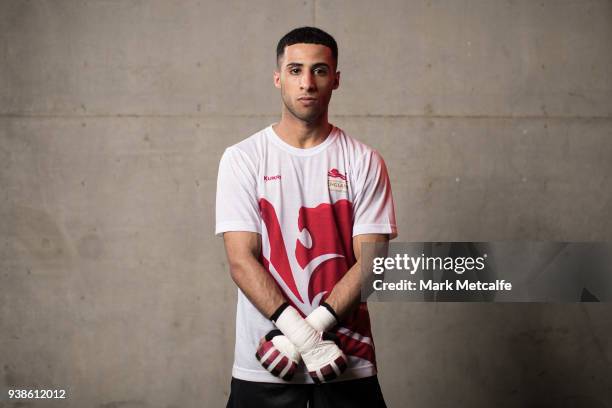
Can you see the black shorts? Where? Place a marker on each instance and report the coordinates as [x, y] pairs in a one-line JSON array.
[[362, 392]]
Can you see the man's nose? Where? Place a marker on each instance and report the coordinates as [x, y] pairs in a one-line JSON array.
[[308, 82]]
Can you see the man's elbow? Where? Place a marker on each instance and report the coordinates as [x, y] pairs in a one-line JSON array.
[[238, 268]]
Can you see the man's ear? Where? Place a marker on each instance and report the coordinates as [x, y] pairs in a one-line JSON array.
[[277, 79], [337, 80]]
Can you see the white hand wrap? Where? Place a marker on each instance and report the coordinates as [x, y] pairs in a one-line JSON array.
[[278, 355], [321, 319], [323, 358]]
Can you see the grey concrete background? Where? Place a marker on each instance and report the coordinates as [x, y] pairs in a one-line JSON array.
[[494, 117]]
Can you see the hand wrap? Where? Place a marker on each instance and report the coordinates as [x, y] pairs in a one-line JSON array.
[[322, 356], [278, 355]]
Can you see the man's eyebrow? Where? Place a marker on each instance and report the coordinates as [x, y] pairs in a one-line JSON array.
[[298, 64]]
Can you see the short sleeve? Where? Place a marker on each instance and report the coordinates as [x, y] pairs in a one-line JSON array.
[[236, 202], [373, 206]]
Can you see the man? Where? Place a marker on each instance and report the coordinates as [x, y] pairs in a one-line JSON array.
[[295, 201]]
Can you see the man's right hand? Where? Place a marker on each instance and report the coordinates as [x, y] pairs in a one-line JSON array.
[[278, 355]]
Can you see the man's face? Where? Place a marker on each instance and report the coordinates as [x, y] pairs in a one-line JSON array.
[[306, 77]]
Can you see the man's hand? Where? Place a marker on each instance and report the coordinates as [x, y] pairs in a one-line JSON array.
[[322, 356], [278, 355]]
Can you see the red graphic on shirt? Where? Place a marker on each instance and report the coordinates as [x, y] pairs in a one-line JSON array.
[[361, 345], [278, 253], [334, 173], [326, 257], [330, 229]]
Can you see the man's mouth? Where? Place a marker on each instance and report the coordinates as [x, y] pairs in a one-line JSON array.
[[307, 100]]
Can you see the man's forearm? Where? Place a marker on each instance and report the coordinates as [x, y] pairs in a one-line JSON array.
[[261, 289], [254, 281], [346, 295], [258, 286]]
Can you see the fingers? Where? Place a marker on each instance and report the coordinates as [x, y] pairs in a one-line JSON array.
[[275, 362], [278, 356], [325, 361], [330, 371]]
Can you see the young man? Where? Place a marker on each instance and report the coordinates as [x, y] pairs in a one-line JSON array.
[[295, 201]]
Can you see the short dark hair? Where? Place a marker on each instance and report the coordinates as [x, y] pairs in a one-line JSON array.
[[307, 35]]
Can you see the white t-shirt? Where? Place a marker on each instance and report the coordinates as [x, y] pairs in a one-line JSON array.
[[307, 204]]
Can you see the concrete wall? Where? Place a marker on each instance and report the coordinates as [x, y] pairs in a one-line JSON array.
[[494, 117]]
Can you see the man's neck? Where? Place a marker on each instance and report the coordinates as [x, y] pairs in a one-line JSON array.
[[301, 134]]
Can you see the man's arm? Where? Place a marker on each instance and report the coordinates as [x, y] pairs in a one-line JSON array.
[[323, 358], [346, 295], [243, 250]]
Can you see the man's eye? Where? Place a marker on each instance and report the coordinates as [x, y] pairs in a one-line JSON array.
[[320, 71], [294, 71]]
